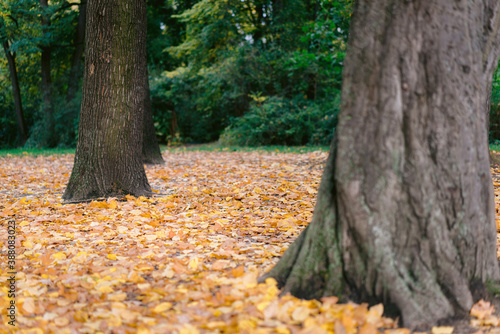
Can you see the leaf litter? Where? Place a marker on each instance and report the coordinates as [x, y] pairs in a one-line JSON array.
[[185, 262]]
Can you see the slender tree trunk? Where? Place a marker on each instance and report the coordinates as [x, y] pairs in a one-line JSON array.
[[79, 40], [151, 153], [259, 29], [108, 160], [16, 92], [48, 113], [405, 210]]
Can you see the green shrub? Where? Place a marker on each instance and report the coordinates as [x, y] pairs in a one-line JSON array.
[[494, 131], [279, 121]]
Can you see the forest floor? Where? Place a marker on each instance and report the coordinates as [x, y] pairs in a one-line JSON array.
[[185, 261]]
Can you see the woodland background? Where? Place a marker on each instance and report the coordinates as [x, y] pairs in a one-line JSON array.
[[243, 72], [210, 80]]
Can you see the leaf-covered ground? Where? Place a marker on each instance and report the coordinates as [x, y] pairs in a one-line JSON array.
[[185, 261]]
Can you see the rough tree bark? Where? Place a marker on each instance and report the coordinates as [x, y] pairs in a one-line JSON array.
[[16, 92], [405, 210], [49, 138], [108, 160], [75, 71], [151, 153]]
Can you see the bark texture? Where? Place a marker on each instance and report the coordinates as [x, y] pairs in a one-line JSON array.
[[405, 210], [151, 153], [108, 154], [16, 92]]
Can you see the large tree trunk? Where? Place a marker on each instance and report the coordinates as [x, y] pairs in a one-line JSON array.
[[49, 138], [405, 210], [151, 153], [75, 72], [16, 92], [108, 160]]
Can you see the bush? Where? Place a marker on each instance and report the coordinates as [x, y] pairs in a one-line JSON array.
[[494, 131], [279, 121]]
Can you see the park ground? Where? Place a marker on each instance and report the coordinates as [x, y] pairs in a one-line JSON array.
[[185, 261]]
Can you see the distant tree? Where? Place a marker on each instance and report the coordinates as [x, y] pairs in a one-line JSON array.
[[151, 153], [49, 139], [16, 92], [76, 59], [108, 160], [405, 212]]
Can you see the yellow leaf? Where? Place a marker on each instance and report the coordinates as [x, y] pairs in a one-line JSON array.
[[262, 306], [369, 329], [24, 223], [168, 272], [490, 321], [59, 256], [220, 264], [36, 330], [314, 330], [282, 330], [117, 297], [374, 313], [401, 331], [442, 330], [189, 329], [162, 307], [112, 257], [482, 309], [257, 190], [193, 264], [215, 324], [81, 257], [27, 244], [126, 315], [300, 314], [249, 280], [61, 321], [29, 306], [81, 316], [105, 289], [246, 324], [112, 204]]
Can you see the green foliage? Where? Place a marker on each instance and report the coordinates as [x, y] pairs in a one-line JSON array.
[[22, 26], [494, 131], [288, 51], [281, 121]]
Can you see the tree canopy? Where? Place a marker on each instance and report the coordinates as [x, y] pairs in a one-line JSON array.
[[258, 72]]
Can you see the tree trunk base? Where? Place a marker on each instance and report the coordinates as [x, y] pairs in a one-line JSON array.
[[414, 276]]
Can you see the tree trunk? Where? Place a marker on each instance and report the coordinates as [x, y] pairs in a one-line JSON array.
[[108, 160], [405, 210], [49, 139], [75, 73], [16, 92], [151, 153]]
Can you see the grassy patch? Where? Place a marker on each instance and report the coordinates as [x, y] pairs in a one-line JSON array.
[[215, 147], [35, 152], [495, 147], [211, 147]]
